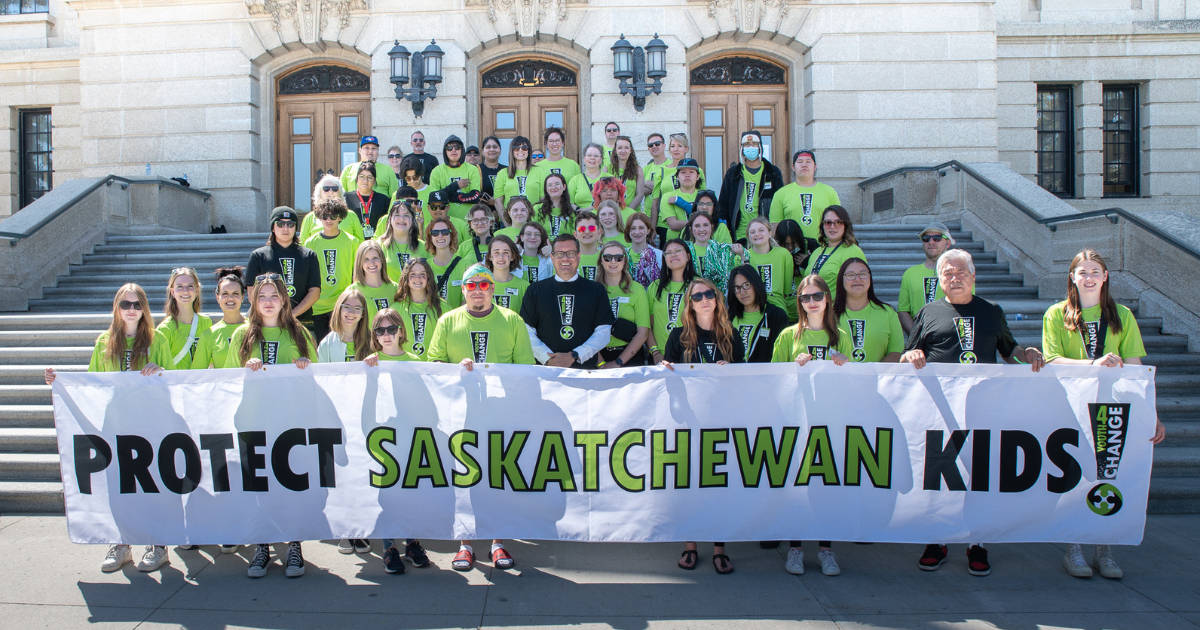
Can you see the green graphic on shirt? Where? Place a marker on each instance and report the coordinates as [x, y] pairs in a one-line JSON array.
[[806, 200], [858, 337], [1110, 422], [765, 272], [502, 300], [748, 202], [556, 223], [931, 287], [521, 184], [532, 272], [402, 258], [418, 326], [566, 315], [589, 272], [819, 352], [288, 265], [381, 303], [965, 327]]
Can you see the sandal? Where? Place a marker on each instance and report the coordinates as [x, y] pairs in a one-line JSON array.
[[688, 559], [720, 557], [502, 559], [463, 560]]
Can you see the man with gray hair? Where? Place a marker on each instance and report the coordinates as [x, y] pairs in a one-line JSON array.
[[962, 328], [919, 284]]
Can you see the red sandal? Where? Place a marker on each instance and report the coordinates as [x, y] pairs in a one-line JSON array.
[[463, 560], [502, 559]]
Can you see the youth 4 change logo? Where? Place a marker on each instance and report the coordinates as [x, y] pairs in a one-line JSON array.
[[1110, 427]]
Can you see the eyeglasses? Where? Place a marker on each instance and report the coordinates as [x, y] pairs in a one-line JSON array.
[[832, 222], [126, 305], [700, 296], [563, 255], [745, 286], [395, 156], [439, 232], [585, 228], [481, 220], [612, 257], [386, 331], [936, 238], [858, 275], [353, 310], [286, 223], [329, 188], [656, 143], [805, 298], [477, 285]]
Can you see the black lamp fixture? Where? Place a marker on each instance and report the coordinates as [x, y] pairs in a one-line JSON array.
[[426, 70], [632, 65]]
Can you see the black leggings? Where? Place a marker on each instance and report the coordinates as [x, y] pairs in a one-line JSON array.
[[820, 543]]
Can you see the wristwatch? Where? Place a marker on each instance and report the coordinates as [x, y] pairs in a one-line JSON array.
[[619, 362], [576, 356]]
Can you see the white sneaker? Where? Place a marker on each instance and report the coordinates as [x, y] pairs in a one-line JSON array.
[[345, 546], [1106, 565], [116, 558], [829, 565], [1074, 563], [155, 557], [230, 548], [795, 561]]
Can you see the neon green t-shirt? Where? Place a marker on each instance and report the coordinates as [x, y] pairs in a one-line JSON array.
[[419, 324], [156, 354], [804, 205], [451, 289], [874, 332], [310, 226], [1057, 341], [673, 211], [580, 189], [383, 356], [398, 254], [788, 345], [564, 166], [666, 312], [378, 298], [632, 305], [827, 261], [531, 267], [750, 194], [498, 337], [443, 175], [520, 184], [276, 348], [653, 173], [744, 326], [218, 342], [335, 256], [776, 268], [589, 266], [385, 179], [556, 224], [511, 293], [176, 335]]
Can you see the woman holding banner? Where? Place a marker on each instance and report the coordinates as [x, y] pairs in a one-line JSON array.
[[419, 306], [667, 292], [815, 336], [704, 335], [873, 327], [755, 320], [1090, 328], [184, 327], [130, 343], [231, 292], [630, 307], [271, 336]]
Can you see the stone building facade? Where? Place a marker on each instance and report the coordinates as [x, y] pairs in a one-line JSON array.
[[1095, 98]]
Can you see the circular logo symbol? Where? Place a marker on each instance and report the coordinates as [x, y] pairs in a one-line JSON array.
[[418, 349], [1104, 499], [330, 279], [291, 291], [566, 332], [859, 355], [806, 219], [968, 357]]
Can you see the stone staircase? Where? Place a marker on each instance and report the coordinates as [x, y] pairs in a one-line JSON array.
[[61, 327]]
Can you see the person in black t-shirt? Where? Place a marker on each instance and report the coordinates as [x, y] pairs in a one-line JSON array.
[[568, 316], [364, 201], [295, 264], [417, 141], [962, 328]]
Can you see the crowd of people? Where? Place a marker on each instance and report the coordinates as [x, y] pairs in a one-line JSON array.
[[612, 263]]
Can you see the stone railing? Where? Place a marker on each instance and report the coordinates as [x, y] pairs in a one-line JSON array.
[[1152, 257], [38, 243]]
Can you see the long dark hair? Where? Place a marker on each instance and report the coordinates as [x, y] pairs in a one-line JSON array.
[[829, 321], [565, 207], [519, 141], [839, 303], [722, 330], [664, 272], [404, 293], [629, 170], [1073, 312], [414, 232], [847, 236], [736, 309], [515, 251]]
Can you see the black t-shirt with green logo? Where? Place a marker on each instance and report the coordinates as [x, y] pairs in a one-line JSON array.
[[961, 333], [297, 265], [565, 314]]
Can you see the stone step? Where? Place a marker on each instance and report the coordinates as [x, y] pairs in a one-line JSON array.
[[97, 320], [1175, 495], [43, 338], [1173, 407], [1175, 363], [32, 374], [1177, 383], [22, 395], [28, 440], [30, 467], [19, 416], [80, 355], [185, 239], [183, 258], [1176, 461], [31, 497], [167, 247]]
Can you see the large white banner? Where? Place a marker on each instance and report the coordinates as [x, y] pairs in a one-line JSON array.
[[872, 452]]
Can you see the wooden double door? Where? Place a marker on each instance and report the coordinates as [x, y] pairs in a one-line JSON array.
[[508, 113], [720, 114], [317, 134]]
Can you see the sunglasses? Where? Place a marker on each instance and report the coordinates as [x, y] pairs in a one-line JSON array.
[[700, 296], [537, 156], [439, 232], [656, 143], [805, 298], [395, 156], [477, 285], [437, 206], [329, 188], [520, 148], [126, 305], [390, 331], [267, 277], [611, 130], [585, 228], [613, 257], [936, 238], [287, 223], [832, 222]]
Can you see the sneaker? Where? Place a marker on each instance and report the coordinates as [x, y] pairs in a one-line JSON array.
[[1074, 563], [116, 558], [795, 561], [360, 545], [258, 564], [829, 565], [977, 562], [933, 558], [416, 554], [1105, 563], [187, 547], [295, 561], [155, 557], [345, 546], [393, 562], [230, 548]]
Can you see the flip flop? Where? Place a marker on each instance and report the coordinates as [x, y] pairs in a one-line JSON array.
[[688, 559], [728, 563]]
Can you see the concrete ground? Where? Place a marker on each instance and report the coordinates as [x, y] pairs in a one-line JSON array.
[[47, 582]]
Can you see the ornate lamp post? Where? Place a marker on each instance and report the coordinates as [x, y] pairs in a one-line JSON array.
[[426, 70], [632, 65]]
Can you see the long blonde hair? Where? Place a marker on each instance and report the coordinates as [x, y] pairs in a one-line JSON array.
[[361, 335], [287, 321], [370, 244], [114, 347], [172, 309], [722, 330]]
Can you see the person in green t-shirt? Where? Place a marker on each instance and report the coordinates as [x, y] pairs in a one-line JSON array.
[[516, 179], [515, 216], [504, 261], [401, 238], [556, 213], [630, 308], [438, 207], [388, 342], [666, 295], [678, 149], [329, 187], [349, 339], [652, 172], [611, 225], [587, 231], [535, 252], [580, 186], [1090, 328], [675, 206], [754, 319], [335, 251], [419, 306], [622, 165], [231, 293], [130, 343], [837, 245], [386, 183], [555, 160], [919, 284], [773, 263], [873, 327], [458, 178], [185, 330], [474, 249], [372, 278], [713, 259], [804, 200], [442, 243]]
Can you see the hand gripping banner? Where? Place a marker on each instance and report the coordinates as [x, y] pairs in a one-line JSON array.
[[863, 452]]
